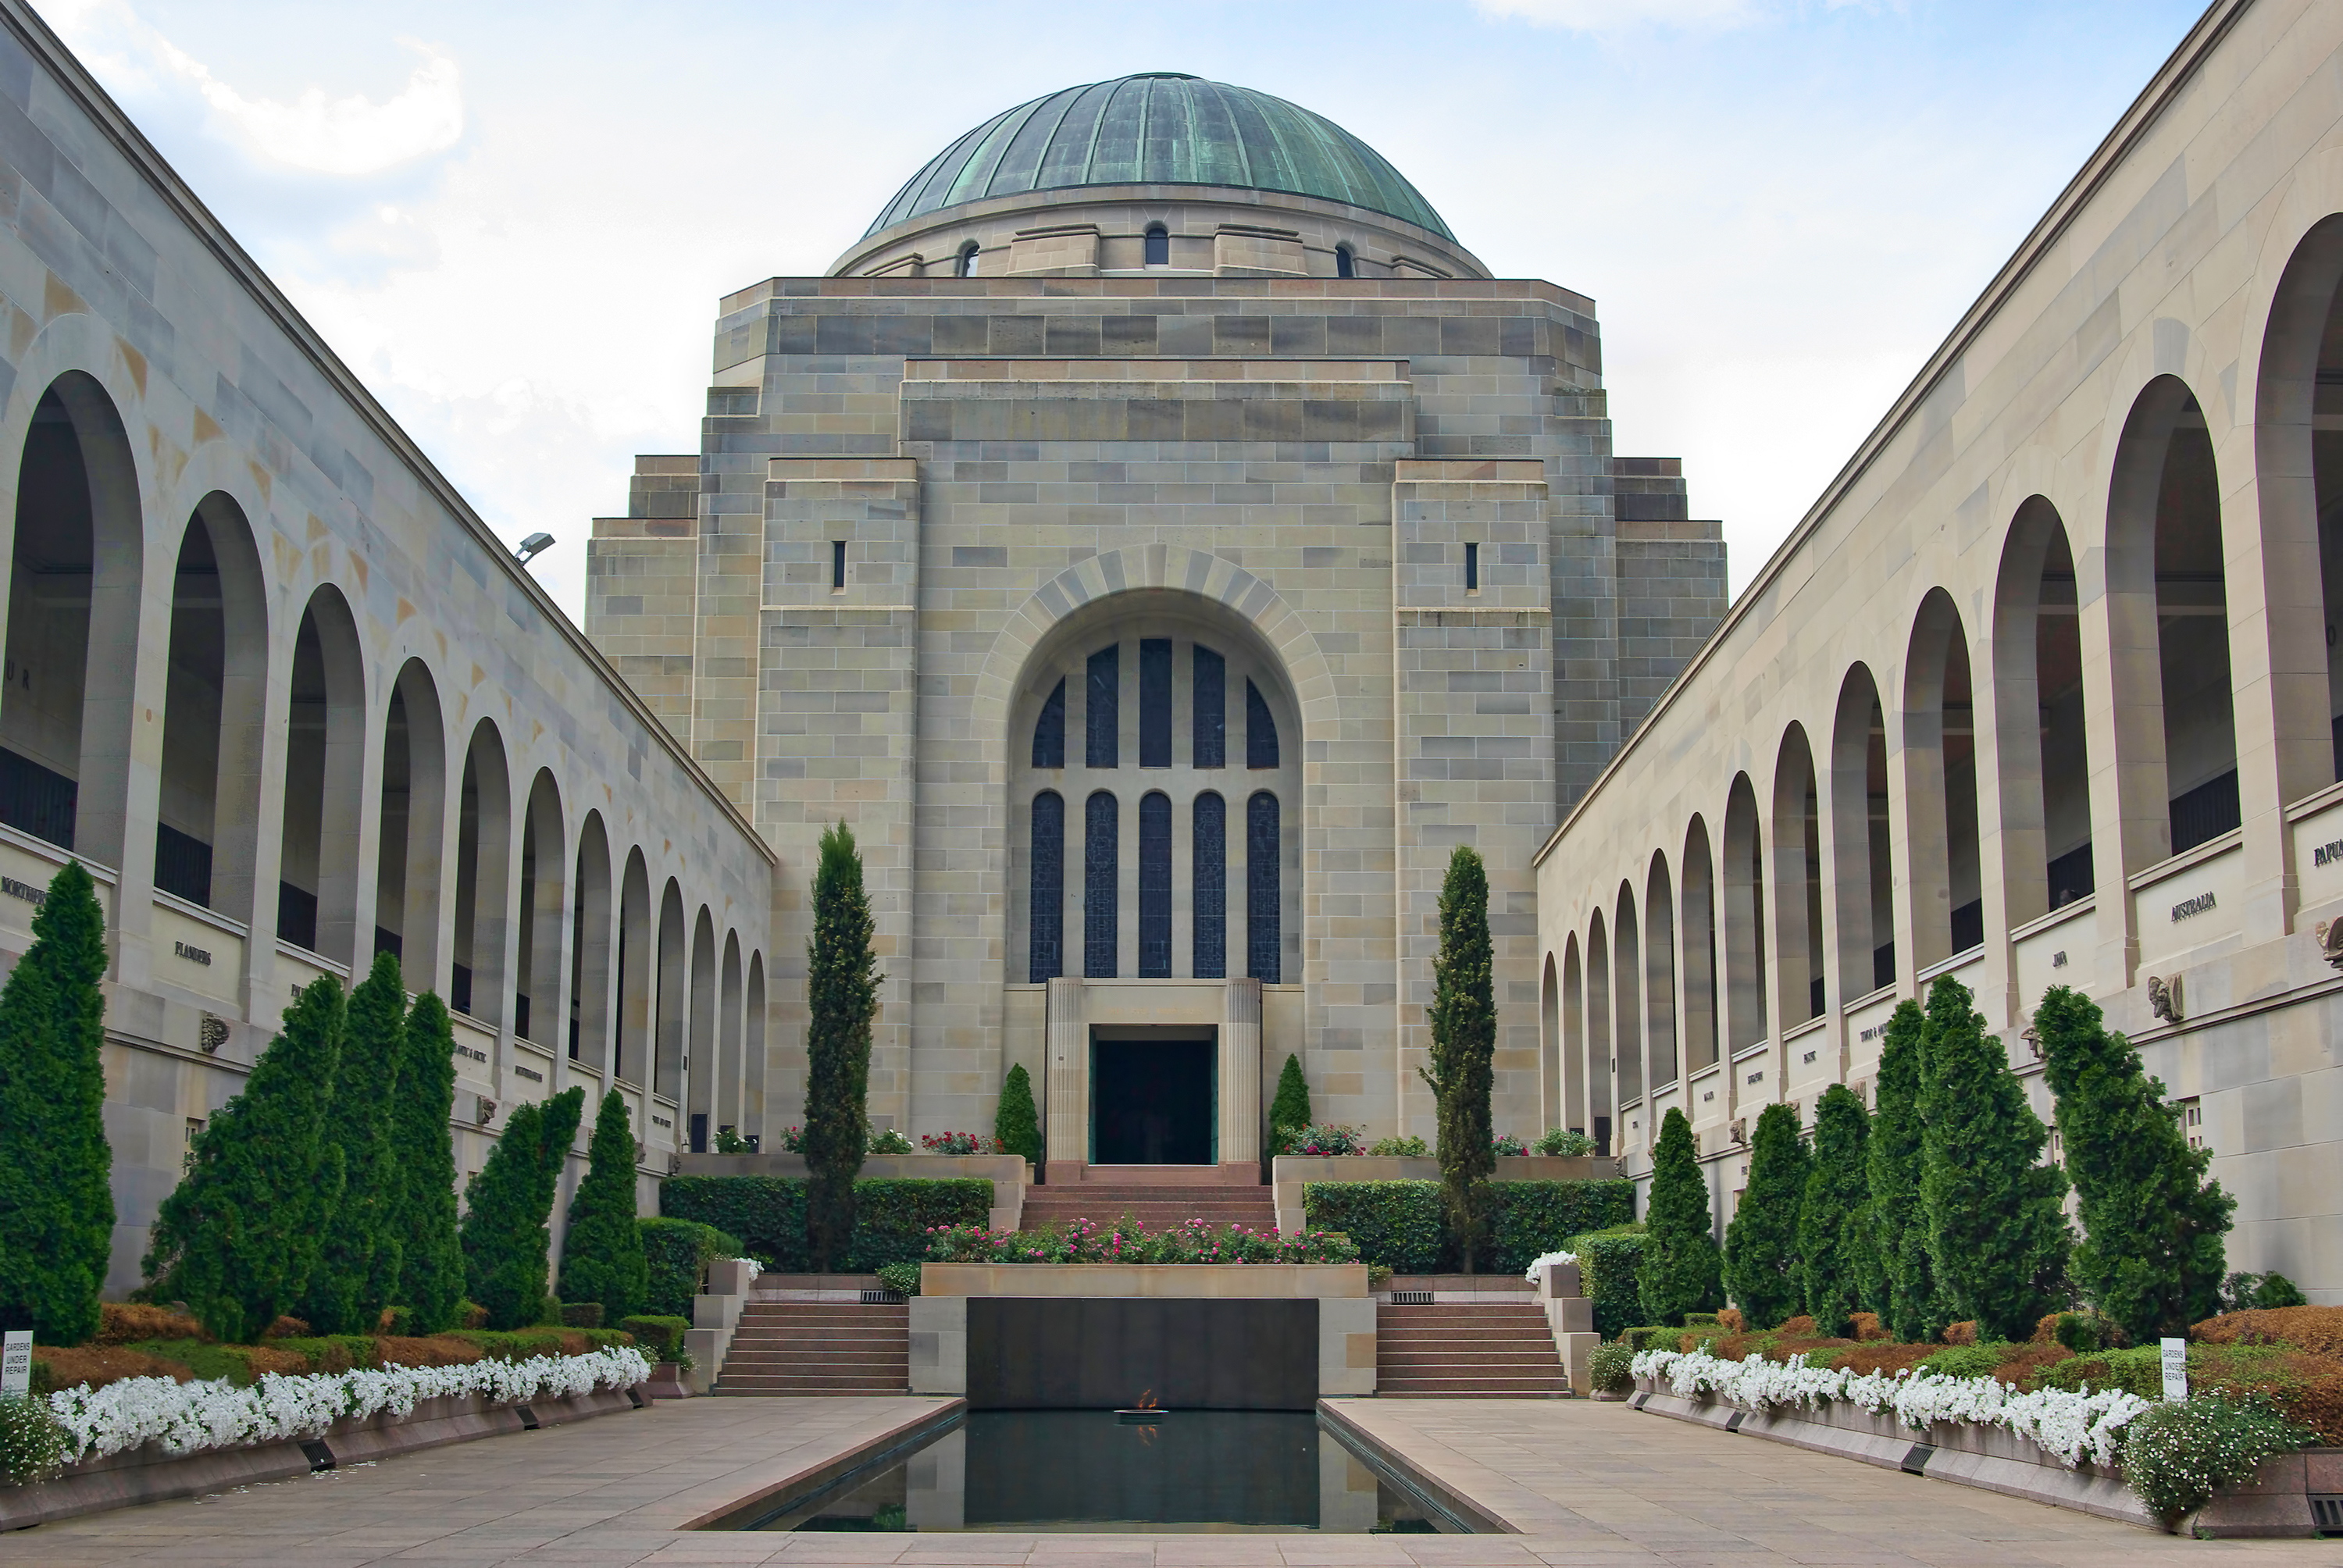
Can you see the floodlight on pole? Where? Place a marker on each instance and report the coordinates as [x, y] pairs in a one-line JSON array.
[[531, 546]]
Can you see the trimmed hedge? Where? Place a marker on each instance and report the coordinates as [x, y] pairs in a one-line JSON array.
[[1396, 1224], [678, 1252], [661, 1336], [892, 1215], [1401, 1226], [1608, 1263]]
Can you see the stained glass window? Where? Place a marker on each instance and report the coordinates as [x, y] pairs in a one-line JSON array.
[[1261, 730], [1264, 944], [1211, 710], [1050, 732], [1208, 892], [1155, 886], [1098, 882], [1046, 907], [1155, 702], [1105, 710]]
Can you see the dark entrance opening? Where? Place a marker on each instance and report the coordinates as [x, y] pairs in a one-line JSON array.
[[1152, 1101]]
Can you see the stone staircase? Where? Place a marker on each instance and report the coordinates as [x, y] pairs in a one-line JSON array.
[[1158, 1206], [820, 1348], [1467, 1351]]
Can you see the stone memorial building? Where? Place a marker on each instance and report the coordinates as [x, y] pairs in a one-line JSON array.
[[1163, 542]]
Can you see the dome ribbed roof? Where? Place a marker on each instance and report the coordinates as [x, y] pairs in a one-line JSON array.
[[1161, 129]]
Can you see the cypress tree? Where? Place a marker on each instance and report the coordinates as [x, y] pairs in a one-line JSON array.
[[1680, 1272], [1761, 1245], [1834, 1223], [431, 1258], [1289, 1111], [841, 997], [602, 1251], [238, 1238], [1016, 1127], [358, 1256], [1997, 1232], [56, 1202], [507, 1234], [2151, 1256], [1463, 1014], [1906, 1302]]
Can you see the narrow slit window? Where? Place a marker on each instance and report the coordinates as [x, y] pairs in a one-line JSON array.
[[1261, 730], [1210, 714], [1046, 909], [1264, 943], [1209, 888], [1159, 246], [1155, 702], [836, 565], [1155, 886], [964, 264], [1345, 265], [1049, 731], [1471, 568], [1101, 869], [1103, 716]]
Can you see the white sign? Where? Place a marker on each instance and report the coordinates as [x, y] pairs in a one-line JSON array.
[[2176, 1371], [16, 1364]]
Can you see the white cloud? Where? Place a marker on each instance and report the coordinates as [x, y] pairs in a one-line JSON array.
[[343, 136]]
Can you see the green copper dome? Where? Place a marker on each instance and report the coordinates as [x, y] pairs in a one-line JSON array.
[[1161, 129]]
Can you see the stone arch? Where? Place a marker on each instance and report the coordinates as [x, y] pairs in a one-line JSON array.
[[1800, 940], [543, 909], [702, 1071], [1697, 916], [1551, 1095], [1861, 868], [632, 1010], [484, 878], [753, 1044], [728, 1082], [216, 705], [2043, 752], [411, 842], [1743, 885], [591, 967], [672, 1009], [1661, 1045], [325, 772]]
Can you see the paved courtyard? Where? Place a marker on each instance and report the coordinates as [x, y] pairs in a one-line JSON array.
[[1589, 1484]]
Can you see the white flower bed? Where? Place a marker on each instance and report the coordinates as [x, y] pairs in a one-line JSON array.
[[1535, 1272], [190, 1417], [2073, 1426]]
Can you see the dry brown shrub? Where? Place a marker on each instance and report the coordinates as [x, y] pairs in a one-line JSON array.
[[1868, 1327], [1799, 1327], [438, 1351], [128, 1323], [1730, 1320], [2315, 1401], [2020, 1364], [1961, 1333], [2046, 1333], [287, 1327], [2318, 1330], [98, 1365], [260, 1359]]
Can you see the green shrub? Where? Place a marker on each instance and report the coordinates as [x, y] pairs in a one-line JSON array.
[[1761, 1243], [1290, 1107], [1651, 1336], [581, 1314], [1963, 1360], [506, 1233], [2083, 1332], [2244, 1293], [903, 1279], [1016, 1125], [1408, 1147], [1608, 1264], [602, 1264], [358, 1256], [659, 1332], [31, 1443], [678, 1253], [841, 999], [2175, 1455], [431, 1260], [1612, 1369], [1379, 1278], [766, 1212], [1396, 1224], [1680, 1271], [520, 1345], [1464, 1018], [1567, 1141], [893, 1214], [1531, 1219]]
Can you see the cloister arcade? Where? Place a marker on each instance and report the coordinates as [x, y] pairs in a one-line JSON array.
[[2019, 707]]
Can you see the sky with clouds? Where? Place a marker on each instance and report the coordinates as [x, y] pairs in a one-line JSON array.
[[514, 220]]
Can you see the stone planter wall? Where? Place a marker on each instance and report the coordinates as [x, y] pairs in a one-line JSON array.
[[149, 1474]]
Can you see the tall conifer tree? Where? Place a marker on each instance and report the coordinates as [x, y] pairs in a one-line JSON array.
[[358, 1257], [508, 1232], [841, 999], [1463, 1015], [1761, 1245], [238, 1238], [1289, 1111], [1899, 1226], [1997, 1234], [2151, 1256], [1016, 1126], [602, 1250], [1680, 1271], [1834, 1223], [56, 1202], [431, 1258]]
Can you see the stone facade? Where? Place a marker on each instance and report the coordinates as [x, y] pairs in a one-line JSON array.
[[2044, 689], [949, 494]]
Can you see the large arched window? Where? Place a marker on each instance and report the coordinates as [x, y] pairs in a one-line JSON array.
[[1264, 946], [1859, 846], [1158, 245], [1045, 943], [1209, 890], [592, 920], [2045, 802], [407, 870], [1798, 897], [209, 800], [1627, 993], [1578, 1086], [1155, 884], [1660, 974], [964, 262], [1100, 885], [1344, 264], [1550, 1067], [325, 748], [1744, 920], [1940, 786], [1699, 950], [1601, 1065]]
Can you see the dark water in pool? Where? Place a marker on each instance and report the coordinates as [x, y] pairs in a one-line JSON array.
[[1066, 1469]]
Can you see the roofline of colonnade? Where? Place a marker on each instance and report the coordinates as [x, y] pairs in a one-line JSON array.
[[51, 51], [2160, 91]]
